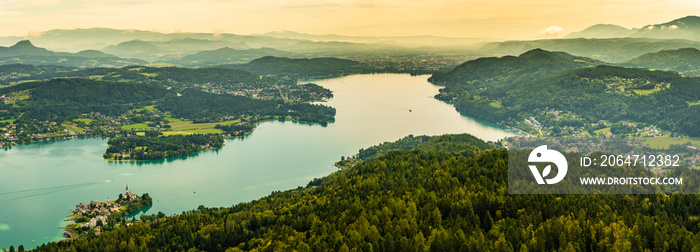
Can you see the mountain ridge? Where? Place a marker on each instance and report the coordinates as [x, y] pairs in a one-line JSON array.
[[683, 28], [26, 52], [533, 64], [227, 55], [602, 31], [684, 60]]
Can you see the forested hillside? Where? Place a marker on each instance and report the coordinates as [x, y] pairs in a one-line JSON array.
[[685, 61], [464, 144], [207, 107], [543, 97], [511, 70], [417, 201], [64, 107], [59, 100]]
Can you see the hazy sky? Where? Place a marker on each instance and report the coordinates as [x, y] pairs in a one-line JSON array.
[[509, 19]]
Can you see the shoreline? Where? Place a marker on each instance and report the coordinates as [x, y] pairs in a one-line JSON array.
[[178, 157], [226, 136]]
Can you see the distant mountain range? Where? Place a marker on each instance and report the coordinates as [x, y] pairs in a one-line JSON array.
[[228, 55], [682, 28], [113, 47], [153, 49], [24, 52], [397, 40], [111, 41], [611, 43], [610, 50], [602, 31]]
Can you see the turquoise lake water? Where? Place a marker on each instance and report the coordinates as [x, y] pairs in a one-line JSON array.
[[41, 182]]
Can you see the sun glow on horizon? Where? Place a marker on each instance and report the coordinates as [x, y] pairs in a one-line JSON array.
[[508, 19]]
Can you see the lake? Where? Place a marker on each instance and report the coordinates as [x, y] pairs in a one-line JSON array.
[[41, 182]]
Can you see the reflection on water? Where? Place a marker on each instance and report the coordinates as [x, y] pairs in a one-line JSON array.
[[139, 212]]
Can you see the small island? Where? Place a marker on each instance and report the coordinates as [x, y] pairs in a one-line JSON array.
[[152, 146], [97, 217]]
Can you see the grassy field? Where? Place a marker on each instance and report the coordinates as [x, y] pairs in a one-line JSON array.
[[649, 91], [150, 74], [8, 121], [136, 126], [191, 131], [180, 127], [147, 108], [602, 130], [85, 120], [20, 82], [496, 104], [72, 127], [645, 91], [18, 96], [665, 141], [693, 103]]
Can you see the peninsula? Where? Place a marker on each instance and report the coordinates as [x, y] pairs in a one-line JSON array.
[[97, 217], [152, 146]]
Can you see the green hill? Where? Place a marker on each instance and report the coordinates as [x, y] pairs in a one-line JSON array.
[[463, 144], [93, 54], [24, 47], [134, 48], [685, 61], [499, 74]]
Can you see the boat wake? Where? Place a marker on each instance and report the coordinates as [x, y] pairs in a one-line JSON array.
[[28, 193]]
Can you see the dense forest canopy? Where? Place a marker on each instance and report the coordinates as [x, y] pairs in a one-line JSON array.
[[459, 144]]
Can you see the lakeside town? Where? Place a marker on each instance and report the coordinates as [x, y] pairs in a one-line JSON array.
[[97, 217]]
